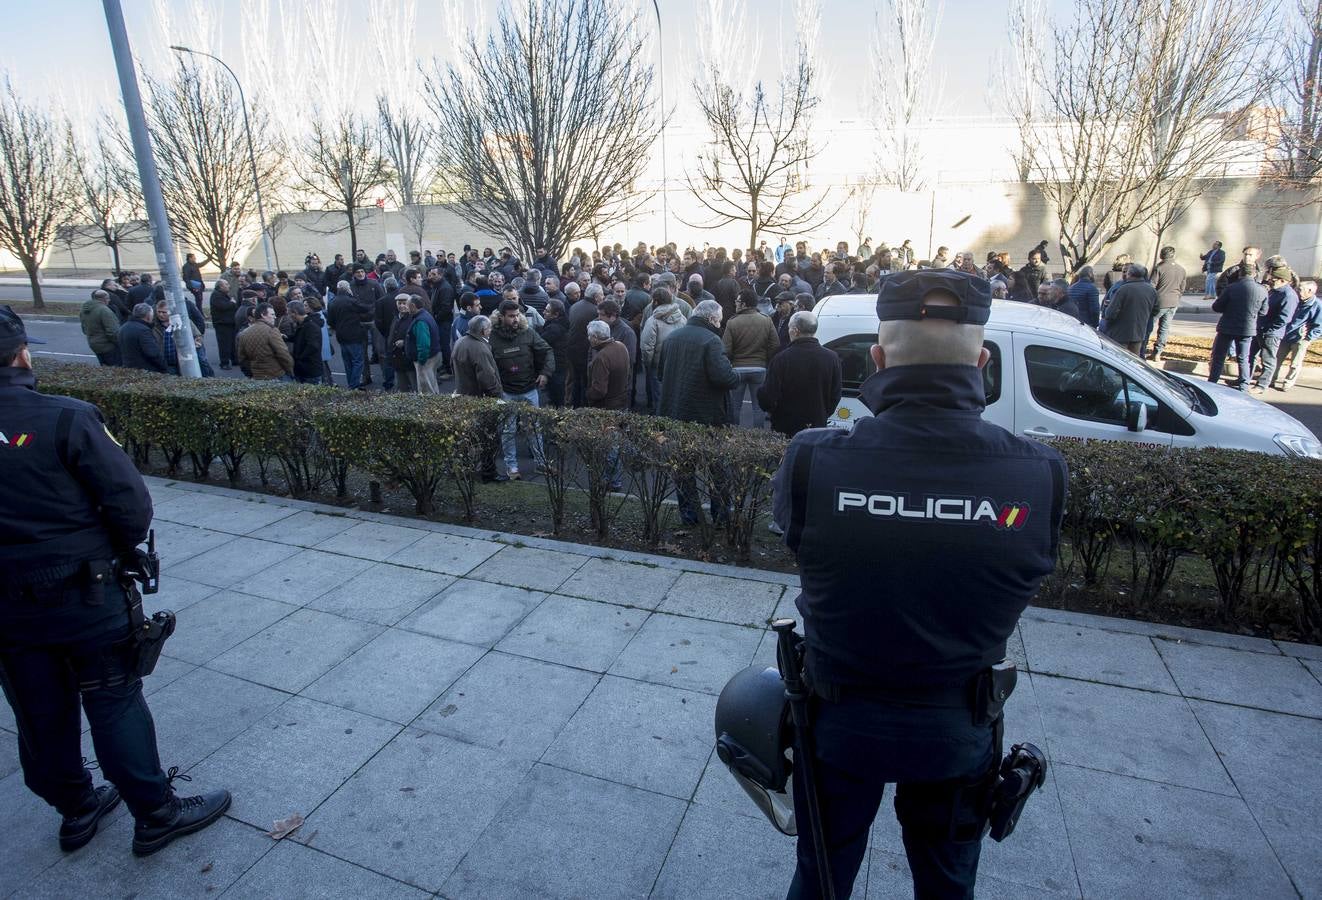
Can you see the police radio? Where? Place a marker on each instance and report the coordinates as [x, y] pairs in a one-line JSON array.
[[144, 566]]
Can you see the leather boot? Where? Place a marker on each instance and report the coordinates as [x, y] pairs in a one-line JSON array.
[[177, 817], [78, 829]]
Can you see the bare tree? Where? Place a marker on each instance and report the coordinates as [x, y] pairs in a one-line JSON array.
[[195, 122], [908, 91], [1298, 91], [1141, 115], [109, 201], [571, 124], [343, 165], [36, 183], [755, 168], [1017, 75]]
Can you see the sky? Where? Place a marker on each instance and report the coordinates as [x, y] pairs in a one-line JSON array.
[[64, 51]]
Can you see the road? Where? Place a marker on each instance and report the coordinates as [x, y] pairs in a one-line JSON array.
[[66, 343]]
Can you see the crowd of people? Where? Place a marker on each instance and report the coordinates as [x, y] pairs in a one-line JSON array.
[[689, 334]]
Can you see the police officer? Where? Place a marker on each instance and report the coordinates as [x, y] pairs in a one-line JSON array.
[[72, 507], [921, 535]]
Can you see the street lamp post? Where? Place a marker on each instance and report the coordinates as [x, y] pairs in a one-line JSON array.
[[665, 183], [161, 237], [252, 156]]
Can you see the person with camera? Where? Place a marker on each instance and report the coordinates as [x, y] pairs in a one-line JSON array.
[[921, 535], [71, 623]]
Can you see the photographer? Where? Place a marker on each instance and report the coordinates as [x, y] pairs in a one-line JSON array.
[[75, 509]]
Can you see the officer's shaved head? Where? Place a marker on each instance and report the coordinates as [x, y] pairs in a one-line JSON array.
[[910, 342]]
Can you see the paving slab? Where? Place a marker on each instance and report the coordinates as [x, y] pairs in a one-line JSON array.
[[198, 865], [176, 594], [1091, 654], [209, 627], [644, 735], [305, 528], [687, 653], [719, 789], [566, 835], [888, 878], [1279, 683], [394, 676], [1154, 630], [510, 703], [167, 669], [297, 650], [176, 543], [1272, 757], [8, 754], [1190, 843], [416, 808], [302, 576], [1128, 732], [230, 563], [722, 599], [475, 612], [1301, 651], [293, 870], [227, 514], [448, 554], [574, 632], [31, 829], [204, 710], [718, 854], [528, 567], [628, 584], [381, 593], [372, 540], [292, 759]]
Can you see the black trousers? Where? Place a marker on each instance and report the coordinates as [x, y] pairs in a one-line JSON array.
[[57, 656], [861, 746], [224, 343]]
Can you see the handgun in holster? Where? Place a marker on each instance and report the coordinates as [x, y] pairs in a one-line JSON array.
[[1022, 771]]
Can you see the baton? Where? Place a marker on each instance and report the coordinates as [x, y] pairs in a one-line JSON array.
[[797, 694]]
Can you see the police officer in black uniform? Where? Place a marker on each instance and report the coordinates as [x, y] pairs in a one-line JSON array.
[[72, 510], [921, 535]]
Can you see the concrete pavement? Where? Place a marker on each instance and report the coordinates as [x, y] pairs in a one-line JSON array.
[[463, 713]]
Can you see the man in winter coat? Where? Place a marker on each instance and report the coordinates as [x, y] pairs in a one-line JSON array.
[[532, 294], [1240, 305], [306, 343], [422, 344], [1168, 280], [555, 331], [525, 364], [803, 382], [1214, 260], [475, 373], [580, 314], [223, 305], [666, 317], [1032, 274], [397, 345], [1282, 301], [1055, 295], [101, 327], [696, 379], [366, 293], [830, 286], [750, 340], [262, 351], [1302, 330], [138, 348], [345, 319], [1130, 307], [610, 372]]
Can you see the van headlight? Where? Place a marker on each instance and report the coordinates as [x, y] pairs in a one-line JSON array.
[[1299, 445]]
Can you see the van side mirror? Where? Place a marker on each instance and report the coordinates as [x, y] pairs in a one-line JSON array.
[[1136, 415]]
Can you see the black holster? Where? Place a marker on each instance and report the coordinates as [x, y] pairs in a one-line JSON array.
[[147, 636]]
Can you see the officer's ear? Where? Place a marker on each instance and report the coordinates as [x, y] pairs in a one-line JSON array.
[[879, 357], [983, 356]]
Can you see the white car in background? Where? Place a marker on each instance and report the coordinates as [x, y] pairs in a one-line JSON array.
[[1050, 377]]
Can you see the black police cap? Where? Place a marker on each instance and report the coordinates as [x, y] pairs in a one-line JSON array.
[[902, 296], [12, 333]]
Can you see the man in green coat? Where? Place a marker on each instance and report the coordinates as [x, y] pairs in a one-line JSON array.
[[101, 326], [525, 364]]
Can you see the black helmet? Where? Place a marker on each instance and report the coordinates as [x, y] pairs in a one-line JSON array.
[[754, 737]]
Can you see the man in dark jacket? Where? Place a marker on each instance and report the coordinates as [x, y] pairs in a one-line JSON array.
[[138, 347], [1130, 307], [335, 273], [525, 364], [1168, 280], [1240, 305], [556, 334], [366, 292], [696, 380], [576, 345], [726, 290], [1055, 295], [532, 294], [1282, 301], [223, 305], [1032, 274], [1214, 260], [306, 345], [141, 292], [346, 320], [610, 371], [545, 263], [1248, 265], [422, 345], [442, 295], [802, 387], [831, 284]]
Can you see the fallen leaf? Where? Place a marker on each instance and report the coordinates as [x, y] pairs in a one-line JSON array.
[[674, 669], [205, 869], [283, 828]]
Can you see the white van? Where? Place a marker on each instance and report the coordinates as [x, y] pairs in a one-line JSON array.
[[1051, 377]]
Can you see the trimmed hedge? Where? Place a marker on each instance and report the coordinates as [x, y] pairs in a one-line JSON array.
[[1251, 518]]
